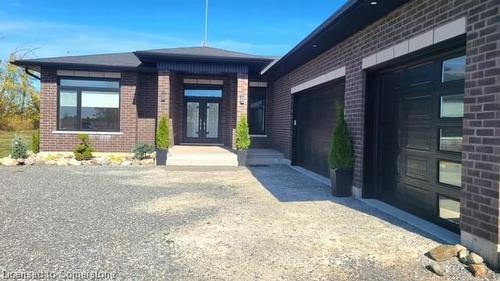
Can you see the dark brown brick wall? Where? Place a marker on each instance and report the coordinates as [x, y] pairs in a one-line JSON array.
[[481, 155], [102, 143], [147, 103], [480, 202]]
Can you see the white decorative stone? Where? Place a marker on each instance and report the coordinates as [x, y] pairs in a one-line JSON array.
[[7, 161], [74, 162]]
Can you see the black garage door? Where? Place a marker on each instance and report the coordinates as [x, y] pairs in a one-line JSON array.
[[420, 110], [314, 122]]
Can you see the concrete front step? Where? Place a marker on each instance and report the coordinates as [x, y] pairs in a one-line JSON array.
[[183, 155], [265, 157]]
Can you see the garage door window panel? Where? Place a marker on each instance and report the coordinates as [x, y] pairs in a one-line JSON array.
[[450, 173]]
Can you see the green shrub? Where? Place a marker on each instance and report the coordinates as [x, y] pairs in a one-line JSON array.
[[163, 134], [142, 150], [19, 149], [341, 154], [84, 150], [35, 142], [243, 140]]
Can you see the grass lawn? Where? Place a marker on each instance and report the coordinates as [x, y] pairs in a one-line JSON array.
[[6, 140]]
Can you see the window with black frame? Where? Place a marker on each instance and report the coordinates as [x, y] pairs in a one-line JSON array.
[[257, 110], [89, 105]]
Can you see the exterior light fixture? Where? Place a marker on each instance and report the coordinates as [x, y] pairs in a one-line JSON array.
[[373, 3]]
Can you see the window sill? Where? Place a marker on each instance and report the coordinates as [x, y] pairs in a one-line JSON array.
[[258, 136], [86, 132]]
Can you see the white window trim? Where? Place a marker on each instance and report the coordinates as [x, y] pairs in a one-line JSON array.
[[428, 38], [327, 77], [258, 136], [86, 132]]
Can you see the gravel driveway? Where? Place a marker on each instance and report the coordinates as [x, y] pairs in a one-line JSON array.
[[262, 223]]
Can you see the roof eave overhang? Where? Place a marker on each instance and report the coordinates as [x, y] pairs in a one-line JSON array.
[[37, 65], [352, 17], [154, 57]]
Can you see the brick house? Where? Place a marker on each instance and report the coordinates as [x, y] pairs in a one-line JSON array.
[[419, 79]]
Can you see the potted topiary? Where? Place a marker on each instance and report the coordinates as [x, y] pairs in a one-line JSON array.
[[162, 142], [341, 157], [242, 141]]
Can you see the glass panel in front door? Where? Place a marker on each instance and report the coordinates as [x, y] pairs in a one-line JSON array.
[[193, 119], [212, 127]]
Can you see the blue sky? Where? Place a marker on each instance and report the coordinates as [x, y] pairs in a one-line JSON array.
[[71, 27]]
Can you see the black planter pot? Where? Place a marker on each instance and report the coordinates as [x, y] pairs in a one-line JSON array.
[[161, 157], [341, 182], [242, 157]]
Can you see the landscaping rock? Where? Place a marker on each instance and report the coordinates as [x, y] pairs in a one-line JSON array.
[[62, 162], [479, 270], [147, 162], [74, 162], [30, 161], [50, 162], [436, 268], [7, 161], [474, 258], [126, 163], [462, 256], [103, 161], [443, 252], [20, 161], [461, 248]]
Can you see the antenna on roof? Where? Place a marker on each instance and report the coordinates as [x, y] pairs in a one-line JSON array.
[[205, 41]]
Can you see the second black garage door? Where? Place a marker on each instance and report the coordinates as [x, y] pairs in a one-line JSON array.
[[419, 137], [313, 125]]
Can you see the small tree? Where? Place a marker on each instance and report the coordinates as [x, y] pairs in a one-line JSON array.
[[84, 150], [19, 149], [341, 154], [35, 142], [243, 140], [163, 134]]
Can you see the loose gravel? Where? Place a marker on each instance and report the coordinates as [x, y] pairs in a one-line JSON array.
[[149, 223]]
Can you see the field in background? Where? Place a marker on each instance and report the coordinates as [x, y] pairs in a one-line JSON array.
[[6, 140]]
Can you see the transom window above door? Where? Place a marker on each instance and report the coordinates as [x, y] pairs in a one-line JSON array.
[[203, 93], [89, 105]]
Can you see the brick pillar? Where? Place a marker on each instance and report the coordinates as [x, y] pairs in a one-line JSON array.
[[480, 218], [354, 112], [241, 101], [48, 108], [128, 111], [165, 98]]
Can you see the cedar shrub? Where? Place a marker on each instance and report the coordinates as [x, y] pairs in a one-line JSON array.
[[341, 154], [163, 134], [243, 140]]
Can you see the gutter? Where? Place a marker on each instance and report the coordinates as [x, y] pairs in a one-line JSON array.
[[27, 70]]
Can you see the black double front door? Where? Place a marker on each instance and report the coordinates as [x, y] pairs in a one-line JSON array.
[[202, 122]]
